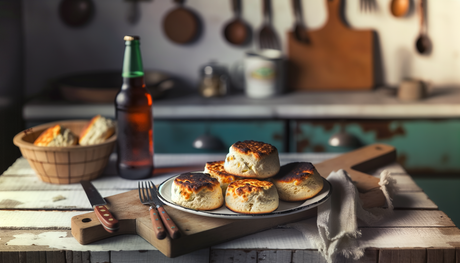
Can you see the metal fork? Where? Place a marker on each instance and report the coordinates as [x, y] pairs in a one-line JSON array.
[[267, 35], [146, 199], [368, 5]]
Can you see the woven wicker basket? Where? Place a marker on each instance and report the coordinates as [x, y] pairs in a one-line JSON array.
[[64, 165]]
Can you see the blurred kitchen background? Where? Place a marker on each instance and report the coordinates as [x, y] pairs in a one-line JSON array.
[[38, 48]]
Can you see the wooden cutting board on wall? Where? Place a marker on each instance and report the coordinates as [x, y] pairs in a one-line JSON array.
[[199, 232], [337, 58]]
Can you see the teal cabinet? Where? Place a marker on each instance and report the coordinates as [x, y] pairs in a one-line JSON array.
[[423, 146], [172, 136]]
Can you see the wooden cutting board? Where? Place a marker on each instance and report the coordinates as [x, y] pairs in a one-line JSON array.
[[338, 57], [199, 232]]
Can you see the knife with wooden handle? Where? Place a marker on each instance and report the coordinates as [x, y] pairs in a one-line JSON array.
[[167, 221], [108, 221]]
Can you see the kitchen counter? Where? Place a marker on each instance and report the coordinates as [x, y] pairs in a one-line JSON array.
[[35, 224], [376, 104], [297, 122]]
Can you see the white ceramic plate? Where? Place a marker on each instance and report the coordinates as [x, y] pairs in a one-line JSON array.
[[284, 208]]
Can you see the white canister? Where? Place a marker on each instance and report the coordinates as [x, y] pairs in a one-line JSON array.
[[264, 73]]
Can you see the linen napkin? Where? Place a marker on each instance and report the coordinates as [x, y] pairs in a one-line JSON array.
[[336, 229]]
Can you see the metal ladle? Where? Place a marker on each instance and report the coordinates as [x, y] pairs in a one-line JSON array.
[[423, 43], [399, 8]]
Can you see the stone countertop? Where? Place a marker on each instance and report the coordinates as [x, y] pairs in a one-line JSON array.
[[375, 104]]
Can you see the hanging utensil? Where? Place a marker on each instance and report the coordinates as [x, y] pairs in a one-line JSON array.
[[423, 43], [237, 32], [300, 30], [368, 5], [133, 14], [76, 13], [181, 25], [267, 35], [399, 8]]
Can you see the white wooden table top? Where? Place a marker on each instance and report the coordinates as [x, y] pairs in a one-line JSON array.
[[35, 224]]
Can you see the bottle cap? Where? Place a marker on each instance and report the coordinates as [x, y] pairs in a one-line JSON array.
[[131, 38]]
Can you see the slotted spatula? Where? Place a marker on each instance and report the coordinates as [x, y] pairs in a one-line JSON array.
[[268, 38]]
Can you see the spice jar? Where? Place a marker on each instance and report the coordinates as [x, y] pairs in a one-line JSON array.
[[214, 80]]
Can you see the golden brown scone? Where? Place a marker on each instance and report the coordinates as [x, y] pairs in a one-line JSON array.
[[298, 181], [216, 170], [197, 191], [97, 131], [251, 196], [56, 136], [252, 159]]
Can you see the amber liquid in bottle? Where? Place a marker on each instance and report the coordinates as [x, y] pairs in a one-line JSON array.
[[134, 116]]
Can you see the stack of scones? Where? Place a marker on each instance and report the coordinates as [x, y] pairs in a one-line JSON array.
[[249, 181]]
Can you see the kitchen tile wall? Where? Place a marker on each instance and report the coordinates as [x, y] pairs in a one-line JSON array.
[[53, 49]]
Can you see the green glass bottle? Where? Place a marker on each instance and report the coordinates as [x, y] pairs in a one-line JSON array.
[[133, 105]]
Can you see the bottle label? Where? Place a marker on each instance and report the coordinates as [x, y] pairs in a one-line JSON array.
[[135, 137]]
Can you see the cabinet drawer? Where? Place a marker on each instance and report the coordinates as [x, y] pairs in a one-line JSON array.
[[423, 146], [178, 136]]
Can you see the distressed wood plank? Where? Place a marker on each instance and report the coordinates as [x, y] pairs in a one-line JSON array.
[[55, 256], [446, 237], [61, 219], [35, 256], [370, 256], [142, 256], [285, 239], [22, 257], [9, 257], [19, 167], [100, 256], [233, 256], [436, 237], [51, 240], [413, 200], [17, 240], [405, 183], [397, 255], [414, 218], [77, 199], [44, 240], [69, 256], [33, 183], [274, 256], [67, 200], [85, 257], [78, 256], [313, 256], [442, 255], [37, 219]]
